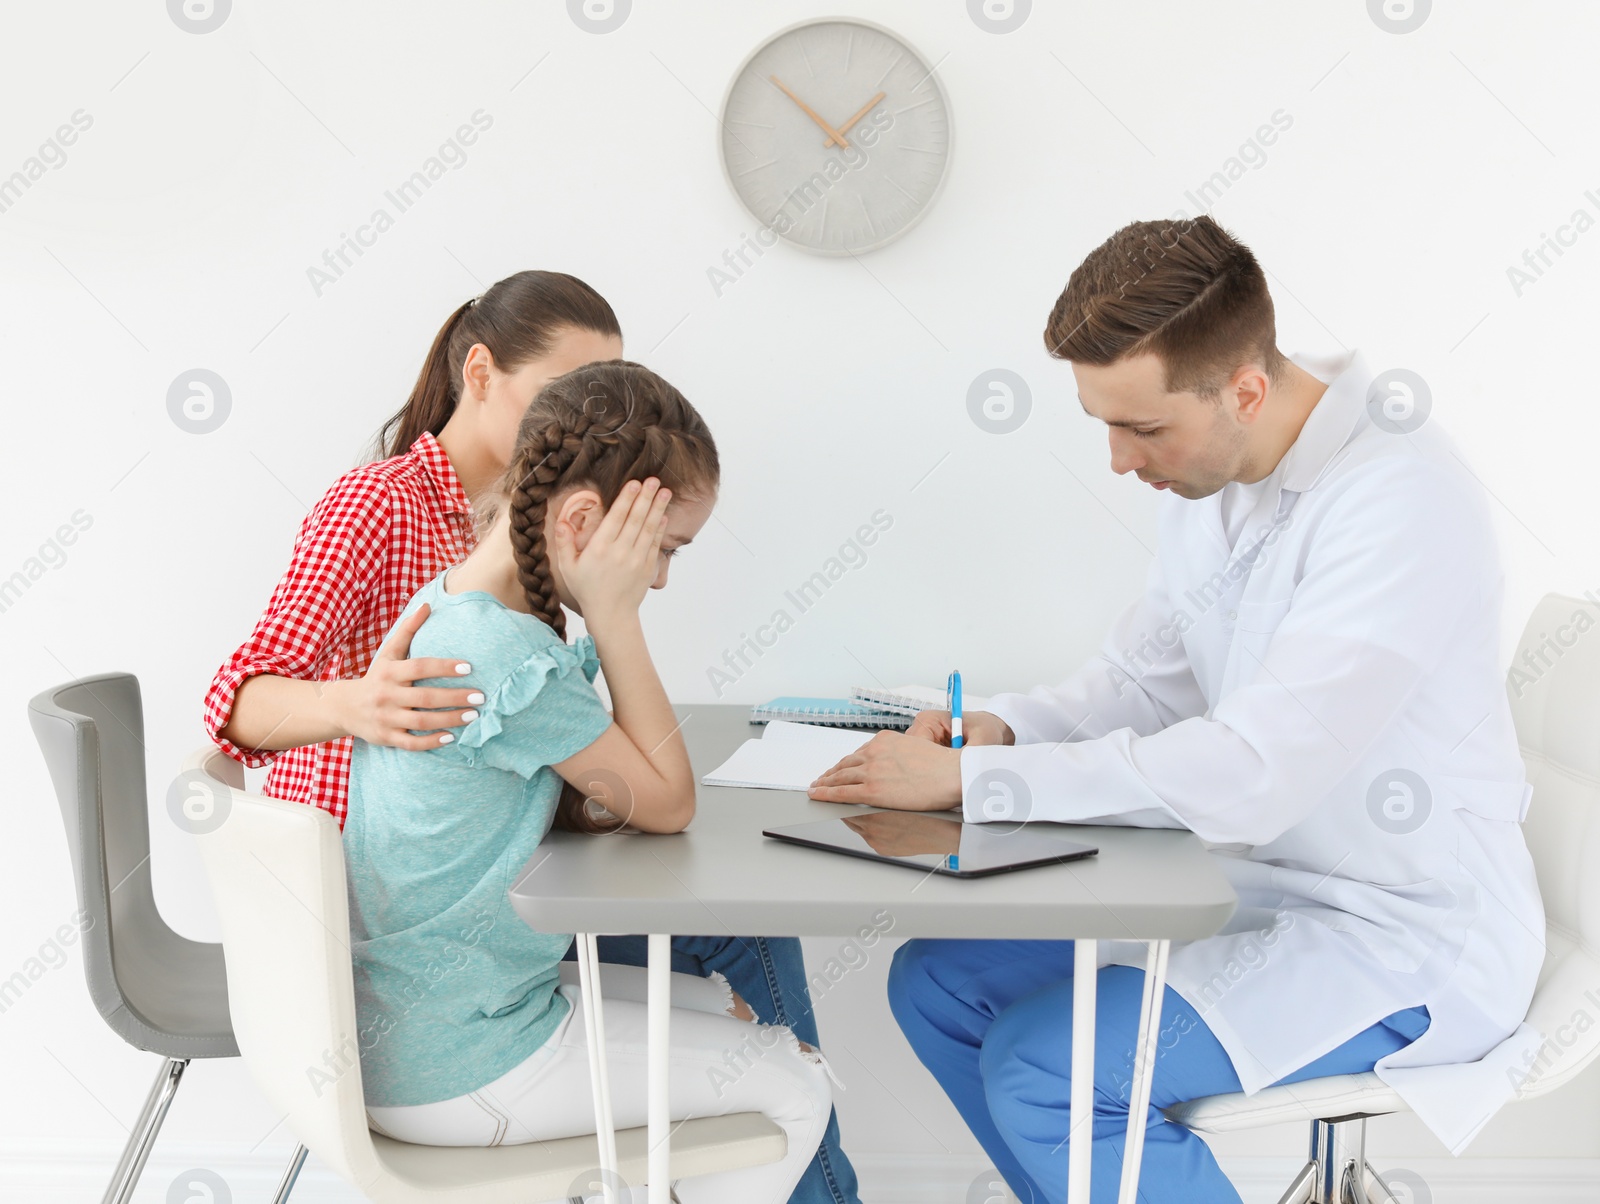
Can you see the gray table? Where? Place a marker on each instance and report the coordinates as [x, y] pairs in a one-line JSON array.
[[721, 877]]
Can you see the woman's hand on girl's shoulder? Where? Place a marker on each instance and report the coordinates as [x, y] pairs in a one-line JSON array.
[[384, 707]]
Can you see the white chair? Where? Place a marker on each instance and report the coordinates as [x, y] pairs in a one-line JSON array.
[[1558, 726], [278, 874]]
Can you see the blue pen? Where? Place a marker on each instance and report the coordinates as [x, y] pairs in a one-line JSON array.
[[953, 696]]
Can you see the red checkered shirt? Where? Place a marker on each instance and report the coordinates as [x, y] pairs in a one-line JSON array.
[[380, 534]]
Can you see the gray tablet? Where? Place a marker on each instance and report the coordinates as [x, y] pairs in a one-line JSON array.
[[939, 844]]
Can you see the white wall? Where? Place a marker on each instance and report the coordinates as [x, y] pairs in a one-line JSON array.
[[218, 168]]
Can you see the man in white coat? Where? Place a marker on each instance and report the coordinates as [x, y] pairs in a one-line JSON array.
[[1311, 683]]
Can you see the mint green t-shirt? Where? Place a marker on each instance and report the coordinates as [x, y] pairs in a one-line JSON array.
[[453, 989]]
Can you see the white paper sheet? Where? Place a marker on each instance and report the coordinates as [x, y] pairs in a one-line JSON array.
[[788, 756]]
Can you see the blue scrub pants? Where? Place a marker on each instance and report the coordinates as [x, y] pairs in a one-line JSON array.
[[769, 974], [992, 1020]]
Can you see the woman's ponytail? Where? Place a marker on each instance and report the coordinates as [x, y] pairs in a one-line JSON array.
[[518, 320], [432, 399]]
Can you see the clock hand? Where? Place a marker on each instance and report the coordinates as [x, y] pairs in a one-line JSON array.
[[834, 136], [860, 113]]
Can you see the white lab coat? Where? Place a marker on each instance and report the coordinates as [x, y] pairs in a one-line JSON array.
[[1325, 706]]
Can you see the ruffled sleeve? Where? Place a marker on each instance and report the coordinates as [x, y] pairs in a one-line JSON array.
[[543, 711]]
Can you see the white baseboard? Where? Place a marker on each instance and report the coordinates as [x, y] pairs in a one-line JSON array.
[[60, 1172], [948, 1179]]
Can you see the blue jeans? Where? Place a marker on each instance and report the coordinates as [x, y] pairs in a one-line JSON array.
[[770, 975], [992, 1021]]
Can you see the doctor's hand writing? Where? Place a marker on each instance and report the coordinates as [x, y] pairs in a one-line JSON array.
[[977, 727], [896, 770]]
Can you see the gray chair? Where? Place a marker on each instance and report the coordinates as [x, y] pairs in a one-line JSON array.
[[158, 991]]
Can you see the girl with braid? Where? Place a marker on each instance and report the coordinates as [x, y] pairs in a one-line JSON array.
[[612, 472], [328, 661]]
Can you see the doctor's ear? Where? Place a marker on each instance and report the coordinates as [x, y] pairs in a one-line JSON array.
[[1250, 385]]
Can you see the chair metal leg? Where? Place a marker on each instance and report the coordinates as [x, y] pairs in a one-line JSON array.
[[290, 1174], [1300, 1190], [1388, 1196], [1353, 1189], [1338, 1166], [1349, 1149], [143, 1136]]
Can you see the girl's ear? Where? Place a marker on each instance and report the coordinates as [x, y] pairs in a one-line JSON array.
[[583, 511]]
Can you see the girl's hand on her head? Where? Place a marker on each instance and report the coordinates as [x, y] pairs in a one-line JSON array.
[[613, 572], [383, 706]]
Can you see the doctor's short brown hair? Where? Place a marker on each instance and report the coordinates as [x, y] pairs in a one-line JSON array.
[[1183, 289]]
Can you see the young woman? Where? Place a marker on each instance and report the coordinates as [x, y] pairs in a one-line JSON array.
[[312, 673], [328, 662], [469, 1036]]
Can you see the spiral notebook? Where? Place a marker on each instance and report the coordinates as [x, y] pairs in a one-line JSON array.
[[908, 700], [829, 712]]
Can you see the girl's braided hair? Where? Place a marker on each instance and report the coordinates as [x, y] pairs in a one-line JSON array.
[[599, 426]]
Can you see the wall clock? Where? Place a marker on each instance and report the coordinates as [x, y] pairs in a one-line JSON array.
[[836, 136]]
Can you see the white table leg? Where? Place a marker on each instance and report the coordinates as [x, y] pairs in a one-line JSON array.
[[599, 1080], [659, 1118], [1081, 1135], [1144, 1061]]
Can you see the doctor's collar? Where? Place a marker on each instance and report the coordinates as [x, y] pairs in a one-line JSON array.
[[1333, 420]]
